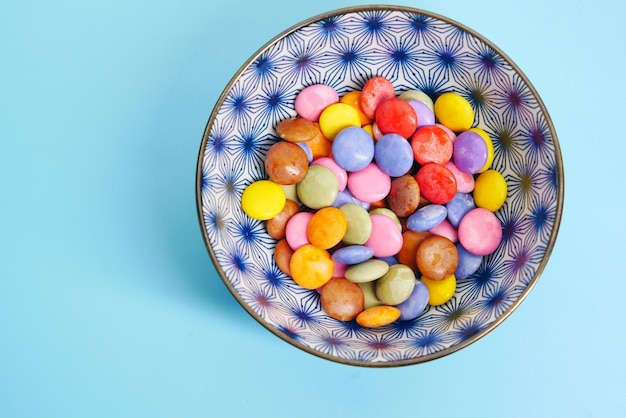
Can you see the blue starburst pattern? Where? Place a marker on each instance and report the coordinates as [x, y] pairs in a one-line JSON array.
[[415, 50]]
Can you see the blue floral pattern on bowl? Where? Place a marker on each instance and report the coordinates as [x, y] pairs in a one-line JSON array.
[[414, 49]]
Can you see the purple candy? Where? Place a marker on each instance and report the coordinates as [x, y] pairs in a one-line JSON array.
[[415, 304], [353, 149], [394, 155], [425, 116], [458, 207], [391, 260], [470, 152], [353, 254], [345, 197], [426, 218], [468, 263], [307, 150]]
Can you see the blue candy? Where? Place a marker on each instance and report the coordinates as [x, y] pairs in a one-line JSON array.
[[391, 260], [345, 197], [426, 218], [394, 155], [353, 254], [353, 149], [307, 150], [458, 207], [415, 304], [468, 263]]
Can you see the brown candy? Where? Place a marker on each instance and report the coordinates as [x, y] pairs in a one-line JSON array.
[[282, 256], [437, 258], [297, 130], [286, 163], [277, 225], [404, 196], [342, 299]]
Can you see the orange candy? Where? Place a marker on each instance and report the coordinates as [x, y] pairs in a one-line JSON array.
[[311, 267], [327, 228], [411, 240], [353, 98], [378, 316], [319, 145]]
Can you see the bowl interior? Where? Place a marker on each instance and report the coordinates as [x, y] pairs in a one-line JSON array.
[[414, 49]]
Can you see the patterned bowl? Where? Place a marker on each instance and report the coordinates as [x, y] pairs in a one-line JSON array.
[[414, 49]]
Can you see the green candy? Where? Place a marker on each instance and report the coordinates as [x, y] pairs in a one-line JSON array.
[[359, 224], [369, 294], [318, 188], [366, 271], [396, 285]]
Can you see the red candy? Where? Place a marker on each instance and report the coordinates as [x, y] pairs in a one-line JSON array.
[[431, 144], [376, 91], [396, 116], [437, 184]]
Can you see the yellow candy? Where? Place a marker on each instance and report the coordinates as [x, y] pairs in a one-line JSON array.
[[263, 200], [440, 291], [337, 117], [454, 111], [490, 190], [490, 152], [369, 129]]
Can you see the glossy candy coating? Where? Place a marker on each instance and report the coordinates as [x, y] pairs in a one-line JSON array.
[[311, 267], [367, 271], [369, 184], [277, 226], [296, 229], [318, 188], [426, 218], [378, 316], [337, 117], [437, 257], [353, 98], [480, 232], [296, 130], [312, 100], [470, 152], [353, 149], [342, 299], [440, 291], [353, 254], [490, 190], [393, 155], [286, 163], [415, 304], [437, 184], [263, 200], [396, 285], [386, 237], [454, 111], [396, 116]]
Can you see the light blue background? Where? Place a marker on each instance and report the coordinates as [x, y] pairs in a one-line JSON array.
[[109, 303]]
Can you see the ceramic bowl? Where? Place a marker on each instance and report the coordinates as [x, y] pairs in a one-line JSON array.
[[414, 49]]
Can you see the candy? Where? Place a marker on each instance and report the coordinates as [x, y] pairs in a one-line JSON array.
[[426, 218], [375, 91], [353, 254], [353, 149], [470, 152], [415, 303], [263, 200], [386, 238], [311, 267], [431, 144], [318, 188], [358, 224], [437, 184], [369, 184], [337, 117], [286, 163], [277, 226], [341, 299], [296, 130], [396, 285], [430, 194], [367, 271], [490, 190], [326, 228], [378, 316], [440, 291], [296, 229], [393, 155], [480, 232], [396, 116], [342, 176], [454, 111], [437, 257], [312, 100], [404, 195]]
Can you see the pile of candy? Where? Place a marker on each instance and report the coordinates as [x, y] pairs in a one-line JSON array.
[[379, 202]]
